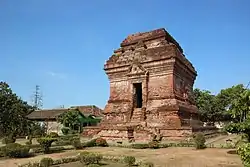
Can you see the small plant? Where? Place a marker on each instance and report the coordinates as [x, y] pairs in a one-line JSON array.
[[147, 164], [139, 146], [101, 142], [7, 140], [153, 144], [15, 150], [93, 165], [129, 160], [53, 135], [65, 130], [199, 140], [70, 159], [76, 143], [30, 165], [91, 143], [90, 158], [244, 152], [46, 162], [45, 143]]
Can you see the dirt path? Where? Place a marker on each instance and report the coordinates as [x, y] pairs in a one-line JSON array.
[[167, 157], [222, 139]]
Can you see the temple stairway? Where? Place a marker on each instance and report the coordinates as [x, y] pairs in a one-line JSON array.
[[136, 115]]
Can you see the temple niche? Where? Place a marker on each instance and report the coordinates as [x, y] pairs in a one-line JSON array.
[[151, 83]]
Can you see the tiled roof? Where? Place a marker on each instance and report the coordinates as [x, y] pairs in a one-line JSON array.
[[53, 113], [90, 110], [46, 114]]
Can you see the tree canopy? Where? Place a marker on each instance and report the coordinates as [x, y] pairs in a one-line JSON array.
[[218, 107], [70, 119], [13, 112]]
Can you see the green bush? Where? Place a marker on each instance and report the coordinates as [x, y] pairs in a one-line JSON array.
[[35, 164], [140, 146], [70, 159], [28, 143], [51, 150], [199, 140], [15, 150], [101, 142], [91, 143], [7, 140], [129, 160], [93, 165], [153, 144], [65, 130], [76, 143], [65, 140], [53, 135], [90, 158], [46, 162], [244, 152], [147, 164], [45, 143]]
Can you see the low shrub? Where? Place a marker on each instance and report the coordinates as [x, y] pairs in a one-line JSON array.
[[51, 150], [15, 150], [129, 160], [7, 140], [244, 152], [94, 165], [199, 140], [147, 164], [153, 144], [46, 162], [90, 158], [101, 142], [140, 146], [28, 143], [164, 145], [91, 143], [65, 130], [35, 164], [65, 140], [53, 135], [45, 143], [70, 159], [76, 143]]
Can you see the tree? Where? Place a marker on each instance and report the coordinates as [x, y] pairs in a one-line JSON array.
[[70, 119], [227, 96], [208, 105], [240, 111], [13, 112]]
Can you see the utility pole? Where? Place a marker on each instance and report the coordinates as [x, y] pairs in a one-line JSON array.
[[37, 98], [248, 84], [37, 102]]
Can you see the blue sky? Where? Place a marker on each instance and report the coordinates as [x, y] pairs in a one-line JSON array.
[[62, 45]]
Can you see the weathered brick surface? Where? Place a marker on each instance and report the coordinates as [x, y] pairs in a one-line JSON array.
[[155, 60]]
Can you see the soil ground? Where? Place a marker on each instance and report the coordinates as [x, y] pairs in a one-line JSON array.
[[178, 157], [167, 157]]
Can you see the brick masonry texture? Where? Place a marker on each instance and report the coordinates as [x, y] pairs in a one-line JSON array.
[[155, 60]]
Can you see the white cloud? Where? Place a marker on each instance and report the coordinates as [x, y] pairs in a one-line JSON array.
[[57, 75]]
